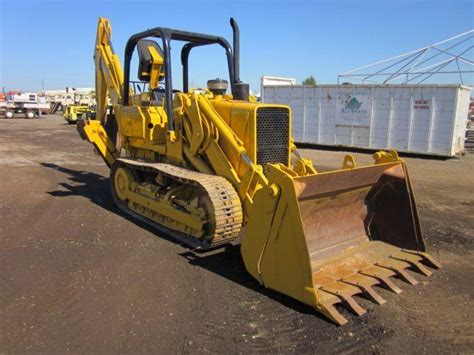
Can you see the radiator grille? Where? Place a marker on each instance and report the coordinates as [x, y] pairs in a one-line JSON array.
[[272, 135]]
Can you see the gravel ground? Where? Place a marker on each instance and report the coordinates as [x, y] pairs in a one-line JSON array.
[[79, 276]]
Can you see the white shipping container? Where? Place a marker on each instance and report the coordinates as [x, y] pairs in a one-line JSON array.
[[426, 119], [274, 81]]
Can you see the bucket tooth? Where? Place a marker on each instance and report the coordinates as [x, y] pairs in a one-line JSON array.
[[383, 275], [414, 261], [426, 257], [399, 267], [345, 292], [355, 307], [365, 283], [326, 306]]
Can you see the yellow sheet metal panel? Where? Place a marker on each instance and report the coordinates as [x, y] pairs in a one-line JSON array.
[[148, 123], [241, 116]]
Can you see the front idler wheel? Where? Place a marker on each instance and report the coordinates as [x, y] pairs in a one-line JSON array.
[[121, 179]]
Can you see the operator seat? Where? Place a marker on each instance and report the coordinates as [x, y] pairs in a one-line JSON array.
[[144, 68], [144, 58]]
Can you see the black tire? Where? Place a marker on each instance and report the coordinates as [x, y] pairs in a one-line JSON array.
[[30, 114]]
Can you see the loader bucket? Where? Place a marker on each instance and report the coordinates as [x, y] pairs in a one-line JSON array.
[[326, 237]]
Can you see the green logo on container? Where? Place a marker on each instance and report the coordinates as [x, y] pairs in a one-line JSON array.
[[353, 106]]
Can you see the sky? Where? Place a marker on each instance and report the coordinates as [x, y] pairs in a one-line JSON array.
[[50, 43]]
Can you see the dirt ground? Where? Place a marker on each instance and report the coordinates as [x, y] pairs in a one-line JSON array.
[[78, 276]]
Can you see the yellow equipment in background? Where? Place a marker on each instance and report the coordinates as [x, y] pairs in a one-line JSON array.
[[82, 108], [211, 169], [73, 113]]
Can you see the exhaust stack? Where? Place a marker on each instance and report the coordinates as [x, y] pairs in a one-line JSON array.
[[240, 90]]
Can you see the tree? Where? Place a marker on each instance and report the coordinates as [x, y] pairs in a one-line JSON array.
[[310, 80]]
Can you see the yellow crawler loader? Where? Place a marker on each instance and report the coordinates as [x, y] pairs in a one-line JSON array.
[[73, 113], [211, 168]]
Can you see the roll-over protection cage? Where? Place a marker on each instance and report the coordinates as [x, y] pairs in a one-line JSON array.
[[193, 40]]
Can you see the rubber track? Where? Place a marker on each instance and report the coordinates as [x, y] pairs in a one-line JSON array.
[[223, 197]]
